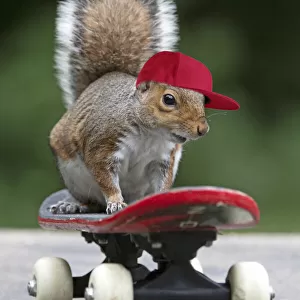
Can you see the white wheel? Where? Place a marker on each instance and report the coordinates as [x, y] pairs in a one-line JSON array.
[[52, 280], [248, 281], [110, 281]]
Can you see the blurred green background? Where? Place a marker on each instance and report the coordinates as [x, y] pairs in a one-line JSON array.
[[252, 48]]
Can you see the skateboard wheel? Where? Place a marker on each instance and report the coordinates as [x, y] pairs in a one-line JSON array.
[[110, 281], [52, 279], [249, 281]]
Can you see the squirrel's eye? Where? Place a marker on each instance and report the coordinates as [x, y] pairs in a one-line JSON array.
[[169, 100]]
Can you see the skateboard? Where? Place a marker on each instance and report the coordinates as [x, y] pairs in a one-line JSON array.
[[171, 226]]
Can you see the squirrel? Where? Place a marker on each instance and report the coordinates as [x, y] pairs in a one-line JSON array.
[[121, 136]]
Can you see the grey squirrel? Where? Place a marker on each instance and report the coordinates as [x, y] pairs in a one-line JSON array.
[[118, 142]]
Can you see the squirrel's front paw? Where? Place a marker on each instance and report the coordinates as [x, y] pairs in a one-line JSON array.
[[115, 206], [68, 207]]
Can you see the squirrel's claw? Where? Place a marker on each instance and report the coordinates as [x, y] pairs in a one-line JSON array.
[[68, 207], [113, 207]]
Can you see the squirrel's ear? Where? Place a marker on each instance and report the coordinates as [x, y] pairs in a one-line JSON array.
[[144, 86]]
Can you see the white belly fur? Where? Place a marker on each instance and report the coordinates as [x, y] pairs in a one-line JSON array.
[[135, 154]]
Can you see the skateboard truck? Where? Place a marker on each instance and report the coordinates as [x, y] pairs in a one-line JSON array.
[[172, 246], [174, 278]]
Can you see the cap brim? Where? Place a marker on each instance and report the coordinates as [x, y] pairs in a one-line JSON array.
[[218, 101]]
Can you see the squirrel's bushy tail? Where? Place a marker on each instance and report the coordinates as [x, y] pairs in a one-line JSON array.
[[95, 37]]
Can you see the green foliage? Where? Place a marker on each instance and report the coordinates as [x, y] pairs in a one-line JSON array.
[[255, 149]]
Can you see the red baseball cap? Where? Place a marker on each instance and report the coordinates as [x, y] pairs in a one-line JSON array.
[[180, 70]]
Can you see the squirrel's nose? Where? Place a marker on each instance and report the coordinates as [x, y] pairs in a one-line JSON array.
[[203, 127]]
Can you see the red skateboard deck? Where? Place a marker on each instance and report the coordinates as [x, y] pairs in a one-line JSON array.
[[184, 209]]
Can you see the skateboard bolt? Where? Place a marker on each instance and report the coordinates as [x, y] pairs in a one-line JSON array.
[[89, 294], [31, 288], [156, 245], [208, 244], [102, 241]]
